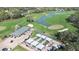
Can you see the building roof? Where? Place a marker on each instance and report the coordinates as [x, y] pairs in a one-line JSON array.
[[34, 43], [38, 35], [40, 46], [20, 31], [44, 37], [48, 39], [30, 40]]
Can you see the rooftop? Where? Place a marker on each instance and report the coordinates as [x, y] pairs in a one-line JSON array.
[[30, 40], [44, 37], [20, 31], [34, 43], [40, 46]]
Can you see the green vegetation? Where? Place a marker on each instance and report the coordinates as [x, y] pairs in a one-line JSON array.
[[57, 19], [42, 28], [10, 24], [18, 48], [41, 41], [46, 42], [60, 19]]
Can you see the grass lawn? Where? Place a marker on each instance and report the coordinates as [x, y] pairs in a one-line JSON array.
[[18, 48], [58, 19], [41, 28], [10, 24]]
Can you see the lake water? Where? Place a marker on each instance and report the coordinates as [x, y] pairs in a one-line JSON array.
[[42, 19]]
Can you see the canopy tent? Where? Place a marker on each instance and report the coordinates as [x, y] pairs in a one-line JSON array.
[[40, 46], [44, 37], [48, 39], [34, 43], [29, 40]]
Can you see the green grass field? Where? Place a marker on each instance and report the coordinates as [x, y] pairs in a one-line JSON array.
[[10, 24], [58, 19]]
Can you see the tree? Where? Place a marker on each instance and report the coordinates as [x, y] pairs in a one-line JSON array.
[[29, 17]]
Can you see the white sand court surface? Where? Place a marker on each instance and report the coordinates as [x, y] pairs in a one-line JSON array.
[[55, 27]]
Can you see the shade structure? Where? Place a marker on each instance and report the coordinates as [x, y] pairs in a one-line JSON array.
[[48, 39], [20, 31], [38, 35], [34, 43], [44, 37], [41, 36], [29, 40], [40, 46]]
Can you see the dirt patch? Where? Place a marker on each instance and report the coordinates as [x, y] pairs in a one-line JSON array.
[[2, 28], [55, 27]]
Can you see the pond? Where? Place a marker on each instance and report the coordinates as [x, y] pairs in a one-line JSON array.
[[42, 19]]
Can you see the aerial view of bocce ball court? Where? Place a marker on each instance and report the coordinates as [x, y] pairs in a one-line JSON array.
[[38, 35]]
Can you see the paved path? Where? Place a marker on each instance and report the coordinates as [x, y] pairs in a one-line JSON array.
[[16, 41]]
